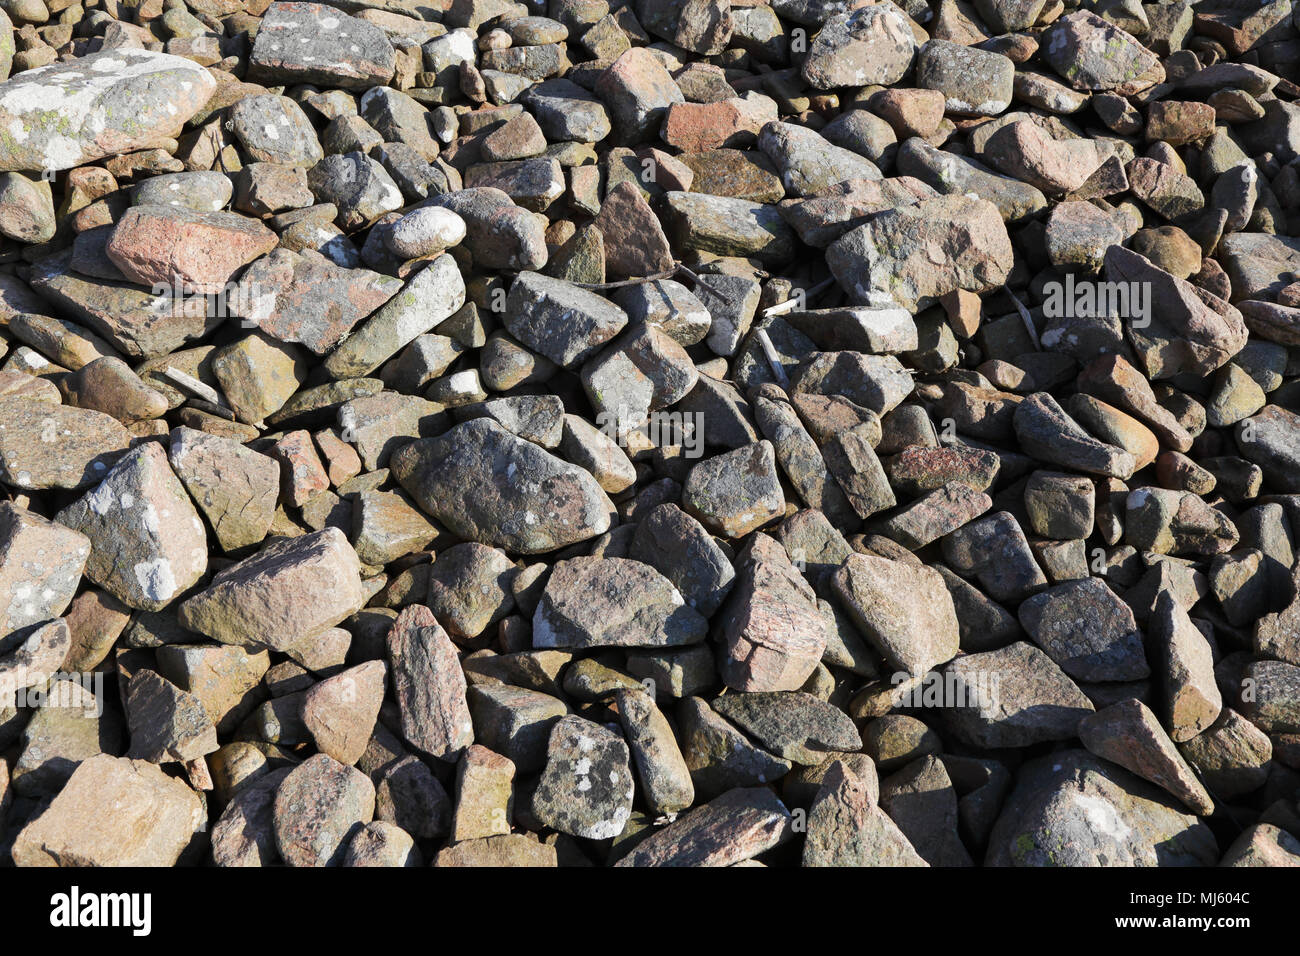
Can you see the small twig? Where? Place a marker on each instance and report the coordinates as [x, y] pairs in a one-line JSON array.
[[623, 283], [684, 270]]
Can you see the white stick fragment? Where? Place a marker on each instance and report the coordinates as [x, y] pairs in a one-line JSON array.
[[194, 386], [773, 360], [1028, 320], [797, 302]]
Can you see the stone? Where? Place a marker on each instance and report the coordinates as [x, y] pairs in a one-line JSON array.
[[1087, 630], [429, 685], [791, 724], [886, 262], [340, 711], [733, 827], [905, 612], [145, 818], [507, 475], [586, 786], [735, 492], [148, 543], [1128, 733], [318, 809], [41, 564], [74, 113], [315, 43], [291, 589], [1012, 697], [866, 46]]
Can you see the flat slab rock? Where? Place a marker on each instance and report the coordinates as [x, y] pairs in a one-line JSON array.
[[69, 114], [734, 827]]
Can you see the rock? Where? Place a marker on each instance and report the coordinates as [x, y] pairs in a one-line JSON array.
[[145, 818], [561, 321], [148, 544], [1190, 330], [735, 492], [1087, 630], [847, 828], [314, 43], [44, 445], [887, 261], [319, 807], [1012, 697], [1185, 669], [905, 612], [429, 685], [1044, 822], [1128, 733], [793, 725], [613, 602], [867, 46], [1092, 54], [74, 113], [732, 828], [484, 795], [166, 723], [174, 247], [510, 478], [515, 722], [773, 632], [340, 711], [41, 563], [507, 849], [380, 843], [665, 779], [679, 548], [235, 487], [974, 82], [586, 787], [922, 801], [292, 589]]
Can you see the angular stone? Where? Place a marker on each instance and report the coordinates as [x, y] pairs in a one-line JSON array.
[[46, 445], [148, 544], [315, 43], [735, 492], [888, 261], [586, 787], [1012, 697], [291, 590], [791, 724], [1087, 630], [429, 685], [847, 828], [613, 602], [143, 818], [1128, 733], [41, 563], [730, 829]]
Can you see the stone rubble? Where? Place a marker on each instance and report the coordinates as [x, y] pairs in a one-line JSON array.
[[649, 433]]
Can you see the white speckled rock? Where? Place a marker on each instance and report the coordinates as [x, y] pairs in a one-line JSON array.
[[69, 114], [148, 544]]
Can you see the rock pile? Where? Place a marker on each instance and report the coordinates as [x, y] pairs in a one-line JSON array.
[[649, 432]]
